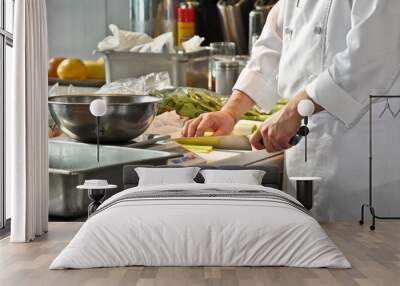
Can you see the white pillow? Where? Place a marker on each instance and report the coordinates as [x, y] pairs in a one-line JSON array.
[[166, 176], [246, 177]]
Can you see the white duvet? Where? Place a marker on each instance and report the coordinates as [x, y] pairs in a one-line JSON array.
[[200, 231]]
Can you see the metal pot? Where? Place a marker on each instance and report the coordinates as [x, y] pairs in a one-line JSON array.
[[127, 117]]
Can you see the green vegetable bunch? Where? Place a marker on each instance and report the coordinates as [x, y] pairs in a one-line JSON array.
[[191, 102]]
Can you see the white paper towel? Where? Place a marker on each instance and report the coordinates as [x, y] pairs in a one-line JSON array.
[[122, 40], [162, 44]]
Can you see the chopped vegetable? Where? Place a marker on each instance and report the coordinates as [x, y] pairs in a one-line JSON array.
[[198, 149], [246, 127], [198, 141], [191, 102]]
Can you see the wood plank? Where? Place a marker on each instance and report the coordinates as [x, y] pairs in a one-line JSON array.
[[375, 257]]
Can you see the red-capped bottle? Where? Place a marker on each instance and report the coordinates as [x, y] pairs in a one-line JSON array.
[[186, 23]]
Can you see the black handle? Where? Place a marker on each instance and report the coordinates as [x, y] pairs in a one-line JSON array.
[[295, 140], [302, 132]]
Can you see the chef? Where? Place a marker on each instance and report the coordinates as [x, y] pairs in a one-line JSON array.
[[335, 53]]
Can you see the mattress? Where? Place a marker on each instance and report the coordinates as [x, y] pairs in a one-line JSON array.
[[201, 225]]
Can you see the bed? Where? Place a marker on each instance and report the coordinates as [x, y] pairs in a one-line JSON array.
[[198, 224]]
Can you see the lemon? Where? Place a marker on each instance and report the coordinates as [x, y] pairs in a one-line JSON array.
[[72, 69], [100, 60], [95, 70]]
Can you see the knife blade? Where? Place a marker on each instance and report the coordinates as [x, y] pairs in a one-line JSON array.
[[230, 142]]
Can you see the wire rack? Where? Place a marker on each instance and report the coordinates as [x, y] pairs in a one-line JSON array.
[[370, 204]]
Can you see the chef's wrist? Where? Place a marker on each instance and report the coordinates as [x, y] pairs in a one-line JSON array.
[[291, 109], [294, 102], [232, 113], [238, 104]]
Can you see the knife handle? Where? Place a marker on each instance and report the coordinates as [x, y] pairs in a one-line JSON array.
[[295, 140], [302, 132]]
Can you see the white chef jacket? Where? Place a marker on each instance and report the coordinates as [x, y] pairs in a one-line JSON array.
[[339, 51]]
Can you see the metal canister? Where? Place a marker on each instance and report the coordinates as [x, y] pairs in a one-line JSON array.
[[242, 60], [153, 17], [257, 19], [226, 74]]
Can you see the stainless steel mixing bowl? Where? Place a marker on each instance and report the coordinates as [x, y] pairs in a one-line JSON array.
[[127, 117]]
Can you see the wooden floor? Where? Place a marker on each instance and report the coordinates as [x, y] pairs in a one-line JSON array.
[[375, 257]]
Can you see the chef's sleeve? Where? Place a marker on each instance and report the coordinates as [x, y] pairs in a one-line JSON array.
[[259, 78], [369, 65]]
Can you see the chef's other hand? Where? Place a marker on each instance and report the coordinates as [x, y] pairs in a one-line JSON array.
[[275, 133], [220, 123]]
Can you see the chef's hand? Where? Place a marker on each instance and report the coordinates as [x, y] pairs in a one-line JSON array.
[[275, 133], [220, 122]]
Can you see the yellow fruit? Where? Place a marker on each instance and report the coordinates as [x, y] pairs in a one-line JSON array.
[[100, 60], [72, 69], [53, 65], [95, 70]]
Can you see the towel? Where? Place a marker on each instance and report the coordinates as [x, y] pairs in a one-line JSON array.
[[121, 40], [162, 44], [193, 44]]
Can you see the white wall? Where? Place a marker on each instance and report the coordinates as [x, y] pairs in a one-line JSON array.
[[76, 26]]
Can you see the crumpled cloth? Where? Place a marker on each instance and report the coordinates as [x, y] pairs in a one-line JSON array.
[[121, 40], [161, 44], [169, 123], [193, 44]]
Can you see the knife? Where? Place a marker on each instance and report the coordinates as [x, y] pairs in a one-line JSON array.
[[230, 142]]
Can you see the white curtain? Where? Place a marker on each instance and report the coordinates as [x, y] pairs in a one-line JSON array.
[[26, 124]]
